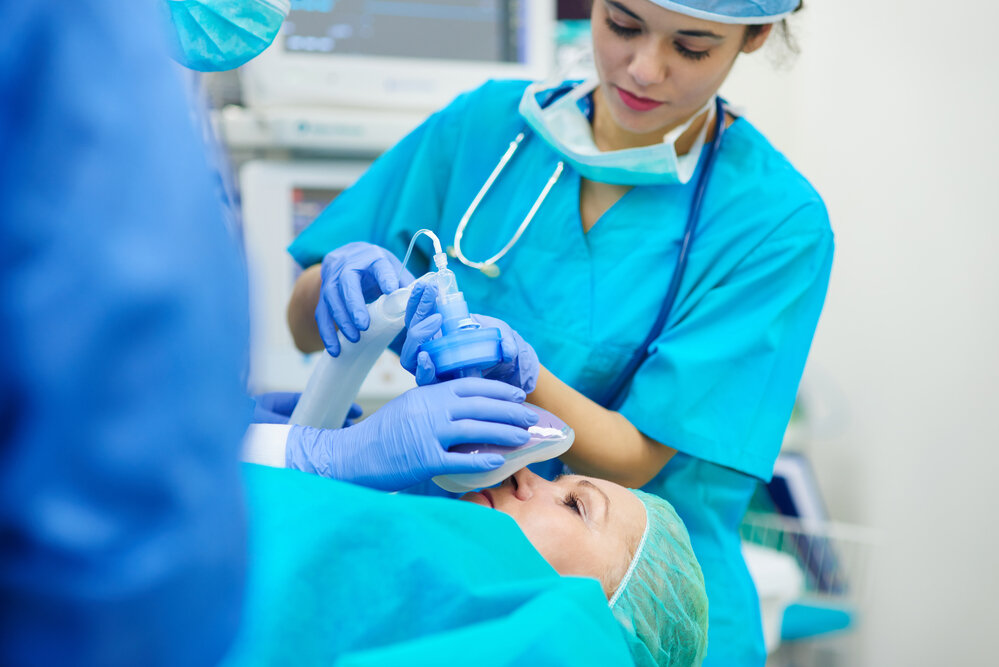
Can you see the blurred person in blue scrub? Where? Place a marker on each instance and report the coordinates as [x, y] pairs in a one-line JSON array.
[[665, 261], [123, 349], [123, 322]]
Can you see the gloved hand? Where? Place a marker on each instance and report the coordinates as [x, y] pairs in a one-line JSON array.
[[406, 441], [423, 323], [276, 407], [519, 366], [351, 277]]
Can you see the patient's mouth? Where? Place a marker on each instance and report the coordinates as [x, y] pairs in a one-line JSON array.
[[479, 498]]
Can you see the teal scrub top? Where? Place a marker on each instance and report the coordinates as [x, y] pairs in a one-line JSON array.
[[720, 380], [342, 575]]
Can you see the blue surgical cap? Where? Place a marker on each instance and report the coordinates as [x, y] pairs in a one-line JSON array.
[[746, 12]]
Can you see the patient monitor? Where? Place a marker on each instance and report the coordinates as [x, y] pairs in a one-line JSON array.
[[353, 77], [399, 55], [279, 200]]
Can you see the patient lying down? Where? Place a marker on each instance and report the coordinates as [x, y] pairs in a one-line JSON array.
[[632, 542], [343, 574]]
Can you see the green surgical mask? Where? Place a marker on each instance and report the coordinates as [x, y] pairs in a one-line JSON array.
[[217, 35]]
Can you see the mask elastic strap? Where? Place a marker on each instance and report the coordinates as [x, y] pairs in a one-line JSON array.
[[583, 89], [677, 132]]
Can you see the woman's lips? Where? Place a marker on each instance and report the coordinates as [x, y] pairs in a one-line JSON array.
[[479, 498], [635, 102]]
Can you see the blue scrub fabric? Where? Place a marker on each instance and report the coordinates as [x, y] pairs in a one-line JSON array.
[[342, 575], [721, 379], [123, 338]]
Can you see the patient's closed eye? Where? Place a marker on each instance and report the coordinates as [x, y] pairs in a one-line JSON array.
[[571, 501]]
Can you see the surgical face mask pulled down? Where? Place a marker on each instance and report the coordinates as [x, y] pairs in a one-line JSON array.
[[564, 127], [463, 348]]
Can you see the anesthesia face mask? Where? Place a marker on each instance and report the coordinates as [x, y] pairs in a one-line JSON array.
[[550, 438]]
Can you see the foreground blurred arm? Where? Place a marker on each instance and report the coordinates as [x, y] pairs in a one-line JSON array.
[[123, 332]]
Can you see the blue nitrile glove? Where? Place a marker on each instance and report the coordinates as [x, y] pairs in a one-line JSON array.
[[406, 441], [422, 324], [351, 277], [520, 364], [276, 407]]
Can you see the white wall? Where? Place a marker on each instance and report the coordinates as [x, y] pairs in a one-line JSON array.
[[888, 111]]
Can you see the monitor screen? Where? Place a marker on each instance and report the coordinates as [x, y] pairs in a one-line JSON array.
[[570, 10], [306, 205], [482, 30], [403, 57]]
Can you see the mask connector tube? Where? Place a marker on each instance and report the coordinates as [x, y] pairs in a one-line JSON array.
[[464, 348]]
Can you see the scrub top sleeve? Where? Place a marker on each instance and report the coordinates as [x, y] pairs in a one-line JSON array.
[[721, 381], [403, 191]]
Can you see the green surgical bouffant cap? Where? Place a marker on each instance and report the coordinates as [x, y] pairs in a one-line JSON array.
[[661, 601]]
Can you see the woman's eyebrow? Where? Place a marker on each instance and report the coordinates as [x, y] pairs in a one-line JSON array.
[[685, 33], [591, 485], [700, 33], [621, 8]]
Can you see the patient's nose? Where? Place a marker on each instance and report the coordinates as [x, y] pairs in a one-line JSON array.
[[526, 484]]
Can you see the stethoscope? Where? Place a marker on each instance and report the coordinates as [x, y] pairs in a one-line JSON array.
[[614, 395]]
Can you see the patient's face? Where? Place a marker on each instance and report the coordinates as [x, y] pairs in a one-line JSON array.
[[581, 525]]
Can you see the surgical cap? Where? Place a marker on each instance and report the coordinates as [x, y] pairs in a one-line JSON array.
[[661, 601], [746, 12]]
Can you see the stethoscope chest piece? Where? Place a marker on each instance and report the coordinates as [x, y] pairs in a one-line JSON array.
[[489, 269]]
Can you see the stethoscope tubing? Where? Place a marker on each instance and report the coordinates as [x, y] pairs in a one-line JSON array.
[[615, 394], [486, 187]]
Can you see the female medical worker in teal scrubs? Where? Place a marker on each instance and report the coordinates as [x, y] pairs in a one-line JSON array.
[[612, 169]]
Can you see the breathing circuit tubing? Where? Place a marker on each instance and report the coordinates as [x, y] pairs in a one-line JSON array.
[[440, 259]]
